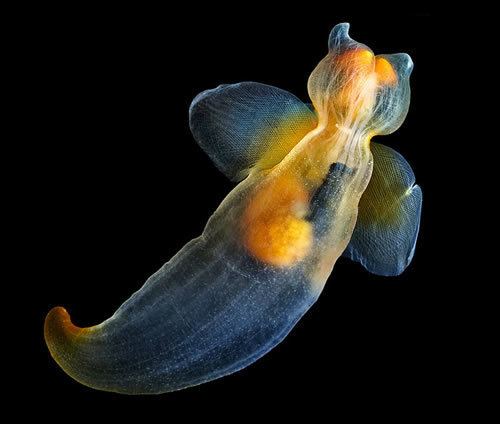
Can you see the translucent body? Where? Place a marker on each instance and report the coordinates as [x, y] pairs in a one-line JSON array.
[[232, 294]]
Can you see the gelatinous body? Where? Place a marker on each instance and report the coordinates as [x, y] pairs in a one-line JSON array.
[[312, 187]]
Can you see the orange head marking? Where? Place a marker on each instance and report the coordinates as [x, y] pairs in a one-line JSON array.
[[386, 74], [357, 61], [357, 82]]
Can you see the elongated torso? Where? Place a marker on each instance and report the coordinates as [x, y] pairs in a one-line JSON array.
[[301, 214]]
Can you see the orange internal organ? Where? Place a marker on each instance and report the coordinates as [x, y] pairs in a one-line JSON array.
[[273, 229]]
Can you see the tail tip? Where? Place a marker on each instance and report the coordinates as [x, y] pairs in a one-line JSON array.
[[58, 326]]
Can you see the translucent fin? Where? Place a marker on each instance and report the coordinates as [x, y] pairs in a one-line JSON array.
[[389, 216], [247, 125]]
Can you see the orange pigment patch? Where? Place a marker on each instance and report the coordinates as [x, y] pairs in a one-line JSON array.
[[273, 231], [385, 72]]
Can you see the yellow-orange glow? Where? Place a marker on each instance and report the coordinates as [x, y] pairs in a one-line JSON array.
[[273, 230]]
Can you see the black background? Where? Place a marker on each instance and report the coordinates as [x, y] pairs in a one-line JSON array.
[[119, 185]]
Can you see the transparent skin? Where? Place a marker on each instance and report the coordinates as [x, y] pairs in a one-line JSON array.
[[232, 294]]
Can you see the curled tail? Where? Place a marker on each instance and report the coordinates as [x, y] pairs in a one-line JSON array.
[[67, 344]]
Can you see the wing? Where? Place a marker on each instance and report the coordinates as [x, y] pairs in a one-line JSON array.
[[389, 216], [247, 125]]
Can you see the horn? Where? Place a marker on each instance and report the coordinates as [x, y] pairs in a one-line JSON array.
[[339, 35]]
